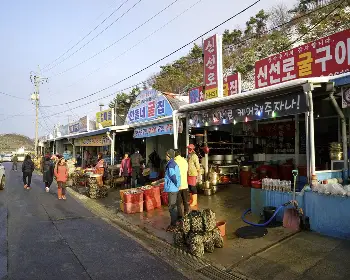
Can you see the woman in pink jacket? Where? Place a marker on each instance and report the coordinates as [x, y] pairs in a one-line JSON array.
[[126, 169], [61, 174]]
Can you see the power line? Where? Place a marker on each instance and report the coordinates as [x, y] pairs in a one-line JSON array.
[[13, 96], [161, 59], [116, 10], [88, 42], [245, 40], [120, 39]]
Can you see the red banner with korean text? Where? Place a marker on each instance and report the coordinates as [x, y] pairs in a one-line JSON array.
[[232, 84], [324, 57], [212, 50]]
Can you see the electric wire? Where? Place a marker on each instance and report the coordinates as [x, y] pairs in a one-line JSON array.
[[242, 41], [161, 59], [93, 38], [13, 96], [114, 43], [96, 27]]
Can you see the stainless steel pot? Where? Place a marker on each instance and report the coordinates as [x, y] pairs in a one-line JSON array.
[[216, 158], [208, 192], [229, 157]]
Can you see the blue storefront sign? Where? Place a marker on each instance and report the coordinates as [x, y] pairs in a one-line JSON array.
[[148, 105], [154, 130]]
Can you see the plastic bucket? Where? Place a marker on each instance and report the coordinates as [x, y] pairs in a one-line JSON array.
[[268, 213], [222, 227]]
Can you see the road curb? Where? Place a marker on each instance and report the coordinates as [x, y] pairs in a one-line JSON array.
[[184, 262], [3, 240]]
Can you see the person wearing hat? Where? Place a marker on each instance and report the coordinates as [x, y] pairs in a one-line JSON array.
[[172, 183], [183, 195], [193, 172]]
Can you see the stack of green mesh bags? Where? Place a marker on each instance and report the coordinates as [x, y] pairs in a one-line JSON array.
[[198, 233]]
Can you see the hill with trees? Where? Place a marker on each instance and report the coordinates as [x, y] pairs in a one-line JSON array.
[[12, 142]]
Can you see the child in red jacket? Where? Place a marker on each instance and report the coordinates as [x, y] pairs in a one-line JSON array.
[[61, 174]]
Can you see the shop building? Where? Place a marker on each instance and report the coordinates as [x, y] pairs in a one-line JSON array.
[[152, 116]]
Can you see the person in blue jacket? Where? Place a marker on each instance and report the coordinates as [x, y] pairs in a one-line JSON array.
[[172, 182]]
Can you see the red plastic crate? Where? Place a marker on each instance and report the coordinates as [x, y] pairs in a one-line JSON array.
[[156, 191], [158, 202], [149, 204], [147, 194], [133, 198], [132, 208], [165, 198]]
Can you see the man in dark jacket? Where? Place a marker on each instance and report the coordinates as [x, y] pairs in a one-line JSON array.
[[48, 172], [27, 169], [136, 160]]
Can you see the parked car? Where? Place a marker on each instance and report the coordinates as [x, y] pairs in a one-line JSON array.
[[2, 177], [7, 157]]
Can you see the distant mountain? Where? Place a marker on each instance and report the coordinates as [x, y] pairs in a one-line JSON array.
[[12, 142]]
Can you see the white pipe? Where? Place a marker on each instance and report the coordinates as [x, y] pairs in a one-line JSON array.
[[343, 131], [187, 134], [312, 134], [307, 139], [175, 130], [112, 148], [296, 142]]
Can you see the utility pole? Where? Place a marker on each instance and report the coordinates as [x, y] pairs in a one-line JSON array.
[[36, 79]]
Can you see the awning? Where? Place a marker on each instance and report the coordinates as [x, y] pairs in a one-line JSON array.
[[152, 122], [341, 80], [90, 133], [275, 90]]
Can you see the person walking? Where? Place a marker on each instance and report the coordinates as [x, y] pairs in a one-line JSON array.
[[14, 162], [193, 172], [136, 160], [61, 174], [126, 169], [183, 194], [27, 170], [48, 172], [172, 182]]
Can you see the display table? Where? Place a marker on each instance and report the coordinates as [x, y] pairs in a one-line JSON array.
[[329, 215], [261, 198]]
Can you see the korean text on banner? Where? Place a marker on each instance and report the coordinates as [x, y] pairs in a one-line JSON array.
[[232, 84], [196, 95], [213, 79], [105, 118], [324, 57]]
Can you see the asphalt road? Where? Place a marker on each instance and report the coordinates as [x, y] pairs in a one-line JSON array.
[[42, 237]]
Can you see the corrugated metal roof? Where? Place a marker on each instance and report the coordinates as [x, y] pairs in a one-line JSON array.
[[174, 101], [243, 97]]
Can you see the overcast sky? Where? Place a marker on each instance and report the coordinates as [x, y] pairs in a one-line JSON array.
[[37, 32]]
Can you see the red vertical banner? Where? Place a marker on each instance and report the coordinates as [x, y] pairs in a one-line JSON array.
[[327, 56], [212, 49], [232, 84]]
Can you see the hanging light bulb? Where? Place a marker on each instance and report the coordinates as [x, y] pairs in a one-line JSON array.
[[191, 121], [206, 124], [198, 125], [259, 113], [274, 114], [234, 122], [246, 119], [224, 121]]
